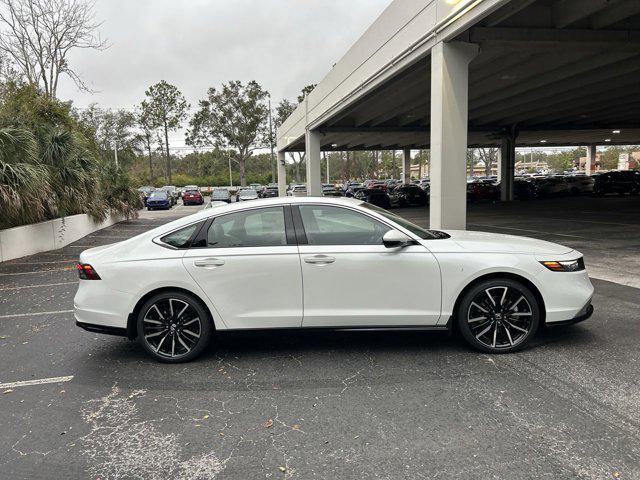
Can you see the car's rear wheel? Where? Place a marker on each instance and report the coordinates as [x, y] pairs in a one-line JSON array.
[[174, 327], [498, 316]]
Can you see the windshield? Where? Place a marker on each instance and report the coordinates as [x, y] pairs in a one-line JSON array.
[[415, 229], [158, 194]]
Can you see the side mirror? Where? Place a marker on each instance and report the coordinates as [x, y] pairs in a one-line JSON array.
[[395, 238]]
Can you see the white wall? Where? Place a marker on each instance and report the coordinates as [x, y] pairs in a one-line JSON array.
[[40, 237]]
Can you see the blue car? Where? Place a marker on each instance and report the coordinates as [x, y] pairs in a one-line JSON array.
[[158, 199]]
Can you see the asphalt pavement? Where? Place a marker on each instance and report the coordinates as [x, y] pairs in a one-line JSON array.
[[330, 405]]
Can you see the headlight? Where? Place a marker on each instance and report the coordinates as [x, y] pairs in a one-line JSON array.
[[565, 265]]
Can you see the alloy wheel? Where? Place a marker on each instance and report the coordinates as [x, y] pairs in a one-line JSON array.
[[500, 317], [172, 328]]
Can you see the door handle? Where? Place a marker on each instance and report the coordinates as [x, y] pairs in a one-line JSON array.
[[209, 262], [320, 260]]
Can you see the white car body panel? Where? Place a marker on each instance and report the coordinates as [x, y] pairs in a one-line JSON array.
[[273, 287], [255, 287], [362, 287]]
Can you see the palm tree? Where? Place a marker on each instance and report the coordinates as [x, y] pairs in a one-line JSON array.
[[24, 188]]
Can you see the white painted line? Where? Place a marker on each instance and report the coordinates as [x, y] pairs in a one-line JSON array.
[[41, 381], [592, 221], [68, 269], [35, 314], [42, 263], [38, 286], [525, 230]]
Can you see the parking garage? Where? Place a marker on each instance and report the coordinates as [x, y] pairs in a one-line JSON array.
[[446, 75]]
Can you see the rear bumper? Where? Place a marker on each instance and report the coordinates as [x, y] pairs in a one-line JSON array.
[[93, 328]]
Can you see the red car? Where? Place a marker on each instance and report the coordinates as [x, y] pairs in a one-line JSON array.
[[192, 197]]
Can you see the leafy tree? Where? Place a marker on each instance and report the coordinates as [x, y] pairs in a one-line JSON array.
[[38, 36], [51, 164], [306, 91], [23, 182], [165, 108], [283, 110], [233, 117], [147, 137]]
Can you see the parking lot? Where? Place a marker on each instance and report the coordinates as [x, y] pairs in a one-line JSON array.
[[333, 404]]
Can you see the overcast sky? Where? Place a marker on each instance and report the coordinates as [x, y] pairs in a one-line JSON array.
[[196, 44]]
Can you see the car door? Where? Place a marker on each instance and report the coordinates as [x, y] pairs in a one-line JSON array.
[[248, 265], [351, 279]]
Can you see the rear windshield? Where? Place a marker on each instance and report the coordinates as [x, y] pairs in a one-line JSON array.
[[413, 228]]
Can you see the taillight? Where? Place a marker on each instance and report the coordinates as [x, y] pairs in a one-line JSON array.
[[87, 272]]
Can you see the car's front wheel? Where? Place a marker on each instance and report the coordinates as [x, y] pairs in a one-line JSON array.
[[174, 327], [498, 316]]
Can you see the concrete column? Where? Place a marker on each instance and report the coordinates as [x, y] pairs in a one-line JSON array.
[[282, 174], [312, 159], [591, 159], [406, 166], [449, 115], [507, 167]]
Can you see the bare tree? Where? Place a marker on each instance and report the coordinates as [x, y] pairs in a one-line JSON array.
[[37, 36], [488, 156]]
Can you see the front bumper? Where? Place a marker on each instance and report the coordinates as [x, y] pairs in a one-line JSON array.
[[581, 316]]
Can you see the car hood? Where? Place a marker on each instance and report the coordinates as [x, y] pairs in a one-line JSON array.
[[485, 242]]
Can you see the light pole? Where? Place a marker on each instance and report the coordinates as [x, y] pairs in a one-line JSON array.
[[273, 161], [230, 176]]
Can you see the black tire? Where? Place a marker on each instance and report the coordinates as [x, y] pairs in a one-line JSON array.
[[493, 323], [149, 209], [162, 317]]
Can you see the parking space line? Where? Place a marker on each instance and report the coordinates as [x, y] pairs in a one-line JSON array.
[[66, 269], [526, 230], [35, 314], [593, 221], [38, 286], [41, 381], [41, 263]]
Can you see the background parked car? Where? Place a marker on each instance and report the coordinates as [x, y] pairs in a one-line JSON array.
[[192, 197], [551, 186], [268, 191], [374, 196], [145, 192], [407, 195], [579, 184], [524, 188], [349, 185], [247, 193], [483, 189], [329, 190], [221, 195], [353, 188], [159, 199], [173, 193], [625, 181], [298, 191]]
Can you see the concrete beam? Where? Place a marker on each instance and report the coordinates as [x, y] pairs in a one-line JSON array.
[[551, 37], [566, 12], [312, 159], [282, 174], [615, 13], [449, 113]]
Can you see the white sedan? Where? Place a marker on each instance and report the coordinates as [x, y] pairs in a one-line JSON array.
[[324, 262]]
